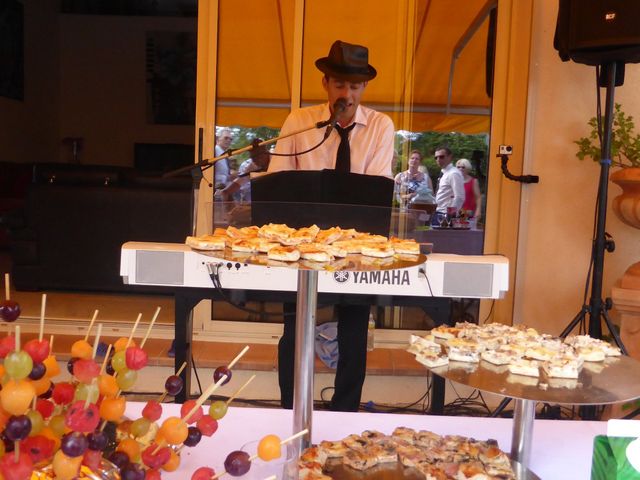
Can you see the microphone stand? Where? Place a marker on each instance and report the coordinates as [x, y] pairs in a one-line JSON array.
[[230, 153]]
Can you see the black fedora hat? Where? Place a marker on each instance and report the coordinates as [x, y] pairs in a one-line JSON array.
[[347, 62]]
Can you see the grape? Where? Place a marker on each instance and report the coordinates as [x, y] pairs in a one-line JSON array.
[[48, 393], [109, 370], [70, 363], [17, 427], [119, 361], [220, 372], [217, 409], [87, 391], [133, 471], [140, 427], [38, 371], [119, 459], [126, 378], [37, 422], [9, 310], [74, 444], [237, 463], [18, 365], [97, 441], [173, 385], [56, 424], [193, 437]]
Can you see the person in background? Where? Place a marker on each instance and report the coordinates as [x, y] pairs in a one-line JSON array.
[[222, 171], [361, 142], [472, 197], [412, 184], [450, 194], [240, 188]]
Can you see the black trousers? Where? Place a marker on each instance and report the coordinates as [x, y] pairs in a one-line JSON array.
[[352, 361]]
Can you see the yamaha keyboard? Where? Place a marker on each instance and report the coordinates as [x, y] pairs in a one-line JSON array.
[[442, 275]]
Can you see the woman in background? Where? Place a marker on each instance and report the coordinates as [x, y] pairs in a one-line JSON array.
[[472, 197]]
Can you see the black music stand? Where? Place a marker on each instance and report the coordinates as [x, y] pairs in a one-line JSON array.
[[301, 198]]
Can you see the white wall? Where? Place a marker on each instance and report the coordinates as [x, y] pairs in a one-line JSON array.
[[558, 213]]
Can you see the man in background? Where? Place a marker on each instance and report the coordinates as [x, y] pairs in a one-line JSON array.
[[450, 194], [222, 172]]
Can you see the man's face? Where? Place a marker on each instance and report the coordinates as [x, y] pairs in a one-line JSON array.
[[442, 158], [414, 161], [225, 140], [350, 91]]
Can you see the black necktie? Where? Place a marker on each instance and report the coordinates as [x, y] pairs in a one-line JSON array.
[[343, 158]]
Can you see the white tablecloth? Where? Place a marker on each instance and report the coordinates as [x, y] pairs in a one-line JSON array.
[[560, 449]]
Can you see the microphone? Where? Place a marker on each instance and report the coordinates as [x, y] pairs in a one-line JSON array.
[[338, 107]]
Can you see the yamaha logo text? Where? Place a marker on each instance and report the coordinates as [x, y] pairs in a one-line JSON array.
[[386, 277]]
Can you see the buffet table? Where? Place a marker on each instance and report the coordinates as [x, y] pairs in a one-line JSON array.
[[561, 449]]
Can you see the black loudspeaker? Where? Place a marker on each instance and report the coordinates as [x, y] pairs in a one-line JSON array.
[[596, 32]]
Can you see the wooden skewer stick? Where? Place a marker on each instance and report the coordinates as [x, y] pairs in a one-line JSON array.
[[17, 338], [153, 320], [253, 457], [16, 450], [95, 315], [106, 359], [238, 357], [161, 444], [272, 477], [96, 342], [133, 330], [88, 399], [51, 345], [206, 394], [240, 390], [43, 307], [164, 395], [7, 291]]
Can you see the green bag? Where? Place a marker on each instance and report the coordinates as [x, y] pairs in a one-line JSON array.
[[610, 459]]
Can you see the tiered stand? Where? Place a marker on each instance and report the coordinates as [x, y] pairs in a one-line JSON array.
[[615, 380]]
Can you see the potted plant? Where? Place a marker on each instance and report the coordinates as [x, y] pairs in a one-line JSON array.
[[625, 154]]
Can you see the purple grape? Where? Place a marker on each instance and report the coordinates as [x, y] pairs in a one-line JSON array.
[[17, 427], [48, 393], [8, 444], [220, 372], [237, 463], [70, 364], [74, 444], [38, 371], [132, 471], [193, 437], [119, 459], [9, 310], [98, 441], [109, 369], [173, 385]]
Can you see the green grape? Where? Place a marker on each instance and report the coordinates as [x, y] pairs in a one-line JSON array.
[[56, 424], [37, 422], [217, 409], [140, 427], [119, 361], [86, 392], [126, 378], [18, 365]]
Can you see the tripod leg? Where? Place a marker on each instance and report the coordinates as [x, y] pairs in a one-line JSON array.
[[503, 404], [576, 320], [614, 332]]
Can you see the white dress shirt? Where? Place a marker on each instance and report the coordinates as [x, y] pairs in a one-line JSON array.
[[450, 189], [221, 169], [371, 142]]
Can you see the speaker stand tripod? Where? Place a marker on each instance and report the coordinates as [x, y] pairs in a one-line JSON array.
[[611, 75]]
